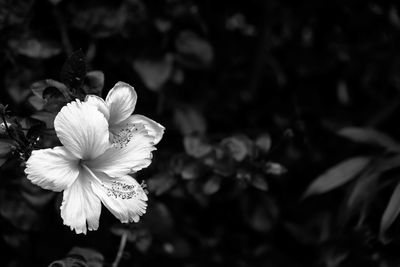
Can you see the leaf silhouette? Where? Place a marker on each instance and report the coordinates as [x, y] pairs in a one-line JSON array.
[[337, 175], [369, 136], [391, 212]]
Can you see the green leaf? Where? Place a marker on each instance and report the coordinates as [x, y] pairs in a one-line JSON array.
[[369, 136], [337, 175], [391, 212]]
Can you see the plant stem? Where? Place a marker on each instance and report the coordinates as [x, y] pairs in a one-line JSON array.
[[121, 249]]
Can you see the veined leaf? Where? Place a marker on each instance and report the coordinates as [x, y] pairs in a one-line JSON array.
[[369, 136], [337, 175], [391, 212]]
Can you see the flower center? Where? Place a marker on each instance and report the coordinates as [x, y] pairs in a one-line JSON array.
[[118, 189], [123, 135], [123, 190]]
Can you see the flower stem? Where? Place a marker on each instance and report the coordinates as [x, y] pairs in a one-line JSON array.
[[121, 249]]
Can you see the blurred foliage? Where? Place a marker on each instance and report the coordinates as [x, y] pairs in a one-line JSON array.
[[282, 142]]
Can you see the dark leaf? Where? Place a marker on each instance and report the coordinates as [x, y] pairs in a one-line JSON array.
[[391, 212], [196, 146], [100, 21], [190, 121], [262, 216], [212, 185], [46, 117], [2, 161], [35, 48], [193, 170], [74, 70], [161, 183], [193, 51], [159, 219], [238, 147], [70, 261], [54, 99], [34, 195], [177, 247], [18, 240], [36, 102], [370, 136], [39, 87], [154, 74], [18, 212], [92, 257], [263, 142], [143, 240], [94, 83], [260, 182], [337, 175], [274, 168], [224, 167], [5, 147], [363, 189]]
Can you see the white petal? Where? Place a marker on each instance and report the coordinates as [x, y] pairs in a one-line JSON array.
[[124, 197], [81, 208], [129, 154], [82, 129], [121, 101], [53, 168], [153, 128], [99, 103]]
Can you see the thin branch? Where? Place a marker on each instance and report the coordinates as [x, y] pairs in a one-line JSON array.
[[121, 249]]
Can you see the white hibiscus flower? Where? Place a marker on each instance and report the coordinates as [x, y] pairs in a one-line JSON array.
[[118, 108], [90, 169]]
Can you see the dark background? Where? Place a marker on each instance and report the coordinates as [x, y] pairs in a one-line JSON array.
[[254, 96]]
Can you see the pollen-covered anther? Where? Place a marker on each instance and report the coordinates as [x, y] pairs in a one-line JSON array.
[[123, 190], [124, 135]]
